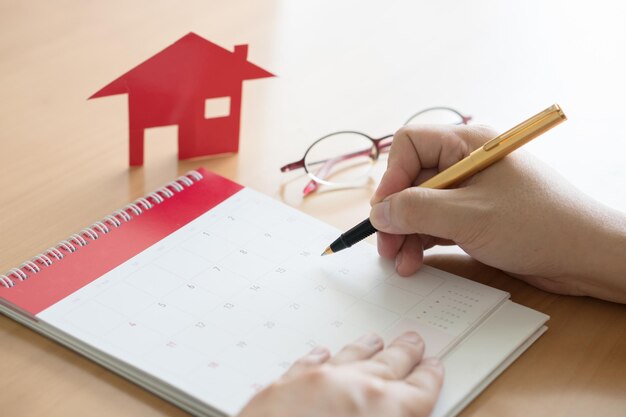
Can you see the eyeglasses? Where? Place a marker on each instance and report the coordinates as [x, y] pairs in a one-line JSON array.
[[346, 158]]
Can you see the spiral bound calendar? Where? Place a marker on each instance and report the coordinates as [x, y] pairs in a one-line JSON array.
[[205, 291]]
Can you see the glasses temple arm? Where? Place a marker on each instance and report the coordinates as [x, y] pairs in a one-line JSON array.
[[293, 165]]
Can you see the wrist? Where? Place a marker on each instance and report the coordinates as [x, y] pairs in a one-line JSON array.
[[600, 268]]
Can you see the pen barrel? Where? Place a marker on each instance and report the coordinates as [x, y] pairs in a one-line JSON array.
[[354, 235], [497, 148], [360, 231]]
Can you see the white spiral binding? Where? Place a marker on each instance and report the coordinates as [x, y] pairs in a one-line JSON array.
[[101, 227], [156, 198], [19, 274], [43, 259], [78, 239], [134, 208], [67, 246], [176, 186], [166, 191], [6, 281], [31, 266], [96, 230], [54, 252], [90, 233], [112, 220], [143, 202], [121, 214]]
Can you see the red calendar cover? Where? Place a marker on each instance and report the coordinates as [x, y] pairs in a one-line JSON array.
[[88, 254]]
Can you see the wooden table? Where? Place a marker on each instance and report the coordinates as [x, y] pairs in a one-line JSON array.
[[340, 65]]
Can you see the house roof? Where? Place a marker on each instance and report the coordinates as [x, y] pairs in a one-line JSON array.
[[192, 63]]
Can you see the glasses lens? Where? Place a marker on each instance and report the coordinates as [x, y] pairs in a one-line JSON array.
[[436, 115], [340, 158]]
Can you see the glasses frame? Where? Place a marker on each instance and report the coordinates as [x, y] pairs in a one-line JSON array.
[[379, 145]]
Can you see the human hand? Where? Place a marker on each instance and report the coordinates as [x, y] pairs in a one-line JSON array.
[[363, 380], [517, 215]]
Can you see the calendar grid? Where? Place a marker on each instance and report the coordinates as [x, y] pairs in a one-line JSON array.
[[226, 303]]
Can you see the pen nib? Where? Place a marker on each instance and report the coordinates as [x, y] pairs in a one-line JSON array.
[[327, 251]]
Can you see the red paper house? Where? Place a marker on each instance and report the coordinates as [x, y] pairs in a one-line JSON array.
[[173, 88]]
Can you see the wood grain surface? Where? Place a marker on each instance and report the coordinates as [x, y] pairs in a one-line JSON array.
[[340, 65]]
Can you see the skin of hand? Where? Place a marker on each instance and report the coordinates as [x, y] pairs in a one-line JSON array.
[[363, 379], [517, 215]]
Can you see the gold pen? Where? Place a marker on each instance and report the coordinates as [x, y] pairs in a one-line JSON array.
[[491, 152]]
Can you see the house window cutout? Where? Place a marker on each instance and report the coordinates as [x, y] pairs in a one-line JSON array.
[[216, 107]]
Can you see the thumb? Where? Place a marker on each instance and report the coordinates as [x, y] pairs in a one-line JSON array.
[[439, 213]]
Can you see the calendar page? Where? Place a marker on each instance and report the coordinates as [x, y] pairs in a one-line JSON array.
[[225, 304]]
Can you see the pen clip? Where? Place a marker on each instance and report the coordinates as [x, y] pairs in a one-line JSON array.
[[495, 142], [528, 129]]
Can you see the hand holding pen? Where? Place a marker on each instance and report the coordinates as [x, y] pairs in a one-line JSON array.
[[518, 215], [480, 158]]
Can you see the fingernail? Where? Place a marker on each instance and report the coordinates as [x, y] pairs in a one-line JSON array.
[[411, 337], [317, 355], [380, 215], [399, 259], [318, 351], [433, 362], [370, 339]]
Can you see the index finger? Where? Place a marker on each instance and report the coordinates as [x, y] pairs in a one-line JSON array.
[[425, 147]]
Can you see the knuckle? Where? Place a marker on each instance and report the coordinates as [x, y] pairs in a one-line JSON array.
[[402, 139], [392, 375], [479, 134], [305, 361], [351, 351], [402, 133], [374, 390], [385, 372], [366, 345], [408, 208], [452, 136], [359, 349], [319, 376]]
